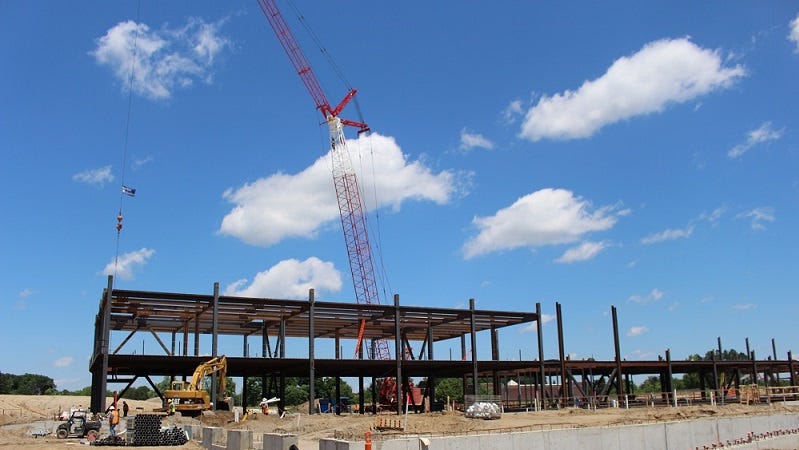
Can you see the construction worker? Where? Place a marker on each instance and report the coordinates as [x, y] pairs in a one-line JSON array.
[[264, 406], [113, 419], [125, 409]]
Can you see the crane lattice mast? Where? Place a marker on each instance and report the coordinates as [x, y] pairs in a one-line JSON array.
[[353, 220]]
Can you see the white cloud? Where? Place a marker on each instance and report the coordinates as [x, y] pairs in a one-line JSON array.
[[744, 307], [714, 216], [759, 217], [473, 140], [158, 62], [513, 110], [583, 252], [642, 355], [66, 361], [663, 72], [207, 40], [764, 133], [282, 206], [545, 217], [22, 303], [637, 331], [291, 279], [794, 34], [96, 177], [653, 296], [141, 162], [128, 262], [533, 326], [668, 235]]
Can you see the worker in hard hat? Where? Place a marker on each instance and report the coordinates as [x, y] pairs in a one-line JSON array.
[[264, 406], [113, 420]]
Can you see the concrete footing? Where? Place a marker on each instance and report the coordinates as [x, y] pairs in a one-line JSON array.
[[279, 441]]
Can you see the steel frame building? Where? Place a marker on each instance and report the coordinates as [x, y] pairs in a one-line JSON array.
[[191, 316]]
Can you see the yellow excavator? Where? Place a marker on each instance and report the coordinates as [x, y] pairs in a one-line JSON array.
[[191, 398]]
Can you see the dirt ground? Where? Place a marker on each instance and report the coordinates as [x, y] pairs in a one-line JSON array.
[[22, 416]]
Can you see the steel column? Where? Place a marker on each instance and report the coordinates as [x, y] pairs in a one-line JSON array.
[[473, 334], [670, 374], [186, 338], [754, 367], [100, 380], [338, 378], [619, 391], [281, 405], [463, 358], [774, 352], [539, 331], [748, 352], [495, 357], [431, 380], [398, 352], [564, 401], [196, 335], [311, 372], [214, 343], [361, 393]]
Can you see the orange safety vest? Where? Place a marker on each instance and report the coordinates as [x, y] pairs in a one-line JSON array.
[[114, 419]]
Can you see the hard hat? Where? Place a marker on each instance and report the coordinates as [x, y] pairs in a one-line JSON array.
[[111, 408], [264, 399]]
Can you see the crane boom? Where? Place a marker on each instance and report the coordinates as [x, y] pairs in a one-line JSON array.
[[303, 67], [353, 220]]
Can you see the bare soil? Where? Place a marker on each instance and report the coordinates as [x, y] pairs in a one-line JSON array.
[[23, 416]]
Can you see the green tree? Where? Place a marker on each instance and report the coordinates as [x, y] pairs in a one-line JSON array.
[[6, 383], [650, 385], [726, 355], [296, 393], [449, 387], [254, 390], [326, 388], [85, 391], [31, 384], [139, 393], [164, 384]]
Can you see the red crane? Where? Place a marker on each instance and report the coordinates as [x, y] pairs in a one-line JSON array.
[[353, 220]]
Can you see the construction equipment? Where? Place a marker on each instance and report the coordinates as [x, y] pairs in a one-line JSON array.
[[353, 219], [79, 425], [191, 398]]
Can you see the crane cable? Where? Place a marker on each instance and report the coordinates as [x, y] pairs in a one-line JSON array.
[[124, 191], [375, 231]]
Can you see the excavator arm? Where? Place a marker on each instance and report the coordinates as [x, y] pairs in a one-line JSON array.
[[218, 364]]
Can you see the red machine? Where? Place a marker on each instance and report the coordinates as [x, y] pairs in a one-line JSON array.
[[353, 220]]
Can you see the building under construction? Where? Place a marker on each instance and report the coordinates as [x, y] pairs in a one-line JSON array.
[[181, 318]]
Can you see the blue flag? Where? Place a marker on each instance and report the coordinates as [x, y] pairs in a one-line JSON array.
[[128, 191]]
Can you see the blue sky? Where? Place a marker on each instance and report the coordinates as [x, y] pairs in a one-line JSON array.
[[642, 155]]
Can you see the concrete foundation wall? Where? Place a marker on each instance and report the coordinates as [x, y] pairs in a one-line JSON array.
[[671, 435]]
